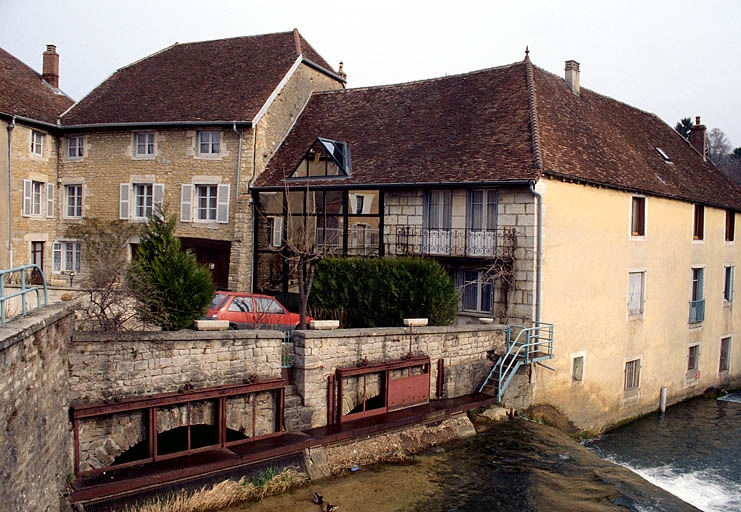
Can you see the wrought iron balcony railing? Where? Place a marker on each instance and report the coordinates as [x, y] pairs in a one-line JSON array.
[[499, 242]]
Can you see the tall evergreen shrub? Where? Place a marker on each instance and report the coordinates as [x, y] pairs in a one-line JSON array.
[[382, 292], [171, 288]]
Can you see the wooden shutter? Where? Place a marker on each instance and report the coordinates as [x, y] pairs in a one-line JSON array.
[[186, 203], [222, 204], [124, 201], [27, 199], [159, 194], [635, 295], [50, 200]]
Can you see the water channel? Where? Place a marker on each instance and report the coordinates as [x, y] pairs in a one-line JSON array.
[[691, 452]]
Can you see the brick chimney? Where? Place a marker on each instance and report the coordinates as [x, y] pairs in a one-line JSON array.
[[50, 71], [341, 73], [572, 76], [697, 137]]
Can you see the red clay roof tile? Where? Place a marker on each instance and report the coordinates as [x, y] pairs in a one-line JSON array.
[[222, 80], [24, 93], [476, 128]]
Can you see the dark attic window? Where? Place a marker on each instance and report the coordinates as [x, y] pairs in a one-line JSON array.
[[325, 158], [663, 155]]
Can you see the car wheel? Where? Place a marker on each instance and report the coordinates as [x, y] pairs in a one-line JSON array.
[[233, 327]]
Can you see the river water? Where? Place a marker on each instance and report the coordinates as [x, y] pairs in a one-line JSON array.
[[692, 452]]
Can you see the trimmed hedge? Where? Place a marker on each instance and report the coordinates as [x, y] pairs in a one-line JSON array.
[[381, 292]]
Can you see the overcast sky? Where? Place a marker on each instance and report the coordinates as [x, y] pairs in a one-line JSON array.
[[675, 58]]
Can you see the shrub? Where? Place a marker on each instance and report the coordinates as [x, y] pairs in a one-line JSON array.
[[170, 286], [383, 291]]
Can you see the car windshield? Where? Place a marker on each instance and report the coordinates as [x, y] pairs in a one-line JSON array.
[[217, 301]]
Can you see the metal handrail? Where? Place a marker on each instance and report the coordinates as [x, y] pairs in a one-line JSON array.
[[537, 340], [23, 291]]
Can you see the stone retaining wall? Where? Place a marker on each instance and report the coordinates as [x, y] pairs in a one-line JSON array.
[[35, 435], [463, 348], [104, 366]]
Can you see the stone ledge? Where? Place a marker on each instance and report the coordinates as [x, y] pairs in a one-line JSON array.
[[211, 325]]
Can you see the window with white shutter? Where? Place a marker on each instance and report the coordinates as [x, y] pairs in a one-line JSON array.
[[636, 292], [222, 213], [186, 203], [27, 199], [50, 200], [124, 201]]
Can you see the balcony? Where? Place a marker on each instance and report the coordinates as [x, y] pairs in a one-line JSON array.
[[485, 243], [697, 311]]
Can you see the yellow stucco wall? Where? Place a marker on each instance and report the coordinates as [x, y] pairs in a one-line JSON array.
[[588, 252]]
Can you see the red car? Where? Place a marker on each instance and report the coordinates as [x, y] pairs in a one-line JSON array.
[[252, 311]]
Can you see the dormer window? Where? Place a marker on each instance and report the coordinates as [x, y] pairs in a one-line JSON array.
[[664, 155], [325, 158]]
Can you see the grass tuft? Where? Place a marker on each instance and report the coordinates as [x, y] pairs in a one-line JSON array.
[[227, 493]]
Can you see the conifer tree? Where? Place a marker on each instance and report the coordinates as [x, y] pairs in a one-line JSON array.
[[171, 288]]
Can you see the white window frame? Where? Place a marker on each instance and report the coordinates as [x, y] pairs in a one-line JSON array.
[[33, 198], [634, 235], [275, 231], [206, 203], [728, 278], [698, 231], [189, 207], [695, 365], [73, 202], [149, 142], [636, 380], [727, 368], [75, 147], [65, 252], [128, 207], [636, 301], [208, 139], [575, 356], [480, 290], [37, 143], [437, 216]]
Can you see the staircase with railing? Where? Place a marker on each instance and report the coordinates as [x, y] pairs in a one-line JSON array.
[[530, 345]]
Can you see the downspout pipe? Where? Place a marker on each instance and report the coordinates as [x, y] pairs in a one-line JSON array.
[[538, 251], [10, 191]]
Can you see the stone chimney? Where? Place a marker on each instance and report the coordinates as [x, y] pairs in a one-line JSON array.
[[341, 73], [50, 71], [697, 137], [572, 76]]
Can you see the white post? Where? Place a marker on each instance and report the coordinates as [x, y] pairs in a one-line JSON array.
[[662, 401]]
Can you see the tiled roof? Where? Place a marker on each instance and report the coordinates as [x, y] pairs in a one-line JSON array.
[[222, 80], [477, 128], [463, 128], [593, 138], [24, 93]]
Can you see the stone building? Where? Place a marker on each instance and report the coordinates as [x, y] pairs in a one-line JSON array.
[[547, 202], [190, 128], [30, 104]]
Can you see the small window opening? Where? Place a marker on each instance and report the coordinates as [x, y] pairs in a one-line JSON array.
[[664, 155]]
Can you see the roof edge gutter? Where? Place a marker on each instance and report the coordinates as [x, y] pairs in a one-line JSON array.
[[304, 183], [324, 70], [154, 124], [28, 120]]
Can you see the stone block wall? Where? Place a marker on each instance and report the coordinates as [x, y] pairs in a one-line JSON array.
[[38, 168], [35, 432], [113, 366], [104, 366], [464, 349], [516, 209]]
